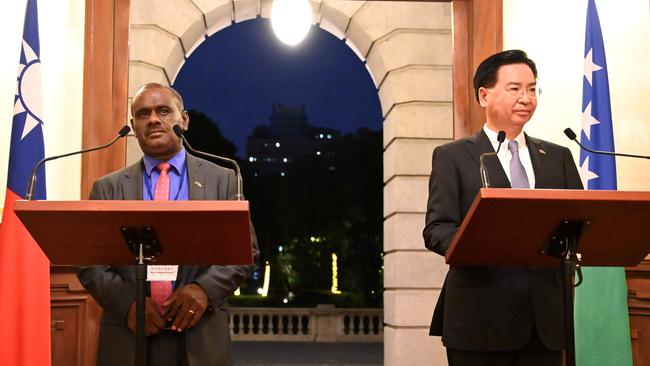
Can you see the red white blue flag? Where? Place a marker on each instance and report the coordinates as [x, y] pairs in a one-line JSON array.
[[24, 269]]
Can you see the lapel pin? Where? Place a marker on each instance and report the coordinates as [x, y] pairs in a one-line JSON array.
[[198, 184], [542, 152]]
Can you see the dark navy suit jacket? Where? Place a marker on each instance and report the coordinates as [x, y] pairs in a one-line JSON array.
[[492, 308]]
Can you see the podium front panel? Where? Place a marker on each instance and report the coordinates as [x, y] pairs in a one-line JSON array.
[[190, 232], [508, 227]]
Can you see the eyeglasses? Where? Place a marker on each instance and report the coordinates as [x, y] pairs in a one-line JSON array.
[[517, 92]]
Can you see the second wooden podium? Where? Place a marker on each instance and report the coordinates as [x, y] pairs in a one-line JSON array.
[[561, 228]]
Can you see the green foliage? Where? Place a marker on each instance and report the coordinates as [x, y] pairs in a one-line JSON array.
[[335, 197], [254, 301], [305, 299], [204, 135]]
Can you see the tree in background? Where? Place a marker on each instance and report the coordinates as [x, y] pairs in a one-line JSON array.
[[205, 135], [327, 203]]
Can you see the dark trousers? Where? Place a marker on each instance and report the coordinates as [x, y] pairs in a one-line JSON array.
[[166, 348], [534, 353]]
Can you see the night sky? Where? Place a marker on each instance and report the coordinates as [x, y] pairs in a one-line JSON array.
[[235, 77]]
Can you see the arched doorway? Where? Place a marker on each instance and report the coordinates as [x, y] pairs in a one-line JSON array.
[[306, 126]]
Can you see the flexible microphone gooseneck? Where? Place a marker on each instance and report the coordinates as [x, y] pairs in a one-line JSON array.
[[572, 136], [32, 181], [485, 181], [180, 133]]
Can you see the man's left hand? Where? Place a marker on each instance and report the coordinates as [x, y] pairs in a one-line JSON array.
[[185, 306]]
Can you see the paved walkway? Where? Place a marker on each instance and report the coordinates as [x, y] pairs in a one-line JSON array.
[[308, 354]]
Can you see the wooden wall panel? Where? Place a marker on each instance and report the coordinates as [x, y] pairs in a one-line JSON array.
[[105, 87], [638, 285], [478, 33], [75, 320]]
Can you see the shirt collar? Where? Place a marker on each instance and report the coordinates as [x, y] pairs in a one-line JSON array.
[[492, 136], [177, 162]]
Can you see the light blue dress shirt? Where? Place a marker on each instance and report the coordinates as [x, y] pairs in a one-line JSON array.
[[178, 180]]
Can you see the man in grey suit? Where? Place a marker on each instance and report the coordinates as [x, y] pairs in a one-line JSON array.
[[489, 315], [190, 326]]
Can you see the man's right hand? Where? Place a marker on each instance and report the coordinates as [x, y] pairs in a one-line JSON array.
[[153, 322]]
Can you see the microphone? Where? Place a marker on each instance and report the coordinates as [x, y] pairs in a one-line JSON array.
[[180, 133], [485, 181], [30, 187], [572, 136]]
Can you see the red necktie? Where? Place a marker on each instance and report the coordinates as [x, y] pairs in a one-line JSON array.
[[162, 186], [160, 290]]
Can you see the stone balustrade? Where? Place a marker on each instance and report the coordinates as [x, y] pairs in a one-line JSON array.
[[324, 323]]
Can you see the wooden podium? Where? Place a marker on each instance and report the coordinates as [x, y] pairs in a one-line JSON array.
[[140, 233], [91, 232], [562, 228]]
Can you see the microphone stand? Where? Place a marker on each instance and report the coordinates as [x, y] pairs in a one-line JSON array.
[[569, 257], [485, 180], [32, 182], [180, 133], [572, 136]]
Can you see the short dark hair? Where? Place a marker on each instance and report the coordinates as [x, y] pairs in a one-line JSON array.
[[486, 73], [176, 94]]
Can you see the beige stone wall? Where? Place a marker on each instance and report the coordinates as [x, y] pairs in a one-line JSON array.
[[407, 48]]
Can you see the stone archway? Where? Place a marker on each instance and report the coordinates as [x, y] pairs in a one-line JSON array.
[[407, 48]]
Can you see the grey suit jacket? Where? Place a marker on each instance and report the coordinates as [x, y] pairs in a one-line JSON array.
[[489, 308], [114, 287]]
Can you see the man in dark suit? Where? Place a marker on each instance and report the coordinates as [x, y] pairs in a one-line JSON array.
[[190, 325], [497, 315]]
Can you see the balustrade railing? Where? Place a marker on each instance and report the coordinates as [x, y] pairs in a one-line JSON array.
[[324, 323]]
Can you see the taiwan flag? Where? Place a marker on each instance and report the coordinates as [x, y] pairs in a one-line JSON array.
[[24, 269]]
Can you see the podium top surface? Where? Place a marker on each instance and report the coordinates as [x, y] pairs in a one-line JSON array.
[[89, 232], [508, 227]]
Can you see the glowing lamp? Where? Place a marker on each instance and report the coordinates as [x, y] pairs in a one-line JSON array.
[[291, 20]]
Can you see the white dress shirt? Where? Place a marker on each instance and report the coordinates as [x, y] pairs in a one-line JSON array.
[[505, 155]]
